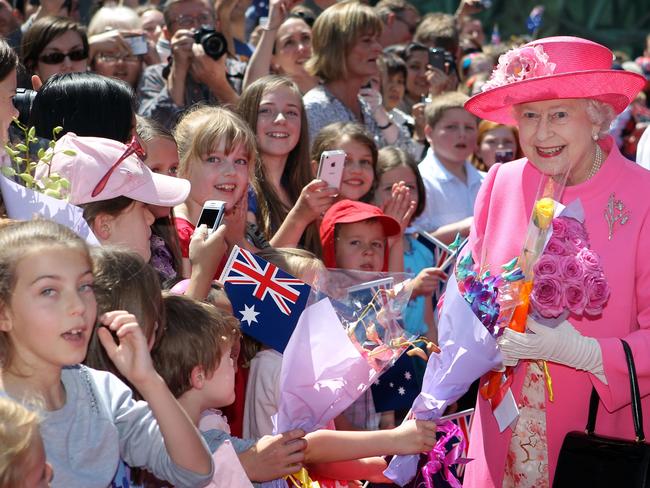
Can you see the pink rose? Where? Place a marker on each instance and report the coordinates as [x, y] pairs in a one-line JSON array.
[[570, 268], [519, 64], [574, 244], [547, 265], [559, 228], [556, 247], [597, 292], [546, 297], [575, 229], [589, 261], [575, 297]]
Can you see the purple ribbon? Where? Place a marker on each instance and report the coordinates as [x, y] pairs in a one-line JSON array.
[[441, 460]]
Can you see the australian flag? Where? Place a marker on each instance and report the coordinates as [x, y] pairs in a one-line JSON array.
[[444, 256], [397, 387], [267, 300]]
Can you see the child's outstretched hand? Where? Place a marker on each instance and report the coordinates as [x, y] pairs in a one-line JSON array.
[[275, 456], [131, 353], [426, 282], [400, 206], [414, 436]]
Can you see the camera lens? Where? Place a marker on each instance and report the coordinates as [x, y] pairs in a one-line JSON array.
[[213, 42]]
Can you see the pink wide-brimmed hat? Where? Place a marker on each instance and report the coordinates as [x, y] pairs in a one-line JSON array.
[[554, 68], [86, 163]]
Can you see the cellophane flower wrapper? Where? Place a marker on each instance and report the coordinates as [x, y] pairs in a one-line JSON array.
[[467, 351], [340, 346], [342, 343], [26, 204]]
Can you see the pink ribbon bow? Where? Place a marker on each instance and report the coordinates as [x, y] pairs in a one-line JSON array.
[[441, 460]]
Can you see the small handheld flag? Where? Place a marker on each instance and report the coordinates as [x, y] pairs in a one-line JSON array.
[[267, 300], [397, 387]]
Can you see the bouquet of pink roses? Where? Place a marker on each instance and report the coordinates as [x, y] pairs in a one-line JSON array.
[[568, 276]]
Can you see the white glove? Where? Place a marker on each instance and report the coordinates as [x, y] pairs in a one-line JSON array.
[[562, 344]]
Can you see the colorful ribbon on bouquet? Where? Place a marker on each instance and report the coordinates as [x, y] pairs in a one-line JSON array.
[[301, 479], [439, 460]]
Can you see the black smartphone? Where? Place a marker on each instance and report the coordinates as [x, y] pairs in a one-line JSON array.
[[438, 58], [212, 214]]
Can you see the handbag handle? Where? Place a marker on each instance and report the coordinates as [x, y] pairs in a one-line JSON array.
[[637, 412]]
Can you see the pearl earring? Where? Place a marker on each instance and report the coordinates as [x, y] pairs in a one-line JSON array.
[[594, 136]]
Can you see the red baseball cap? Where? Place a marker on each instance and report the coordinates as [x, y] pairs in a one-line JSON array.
[[349, 212]]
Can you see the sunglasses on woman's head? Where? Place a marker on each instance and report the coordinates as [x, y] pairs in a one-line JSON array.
[[58, 57], [133, 147]]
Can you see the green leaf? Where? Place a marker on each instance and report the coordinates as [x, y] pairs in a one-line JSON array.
[[54, 185], [8, 171], [57, 130], [13, 153], [70, 152], [53, 193], [32, 133], [41, 153], [65, 184], [27, 178], [21, 147]]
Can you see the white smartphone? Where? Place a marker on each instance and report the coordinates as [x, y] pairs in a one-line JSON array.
[[212, 214], [330, 168], [138, 44]]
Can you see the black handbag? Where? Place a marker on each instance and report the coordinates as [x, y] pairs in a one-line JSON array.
[[587, 459]]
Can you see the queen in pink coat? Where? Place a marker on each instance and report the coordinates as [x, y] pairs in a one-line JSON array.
[[562, 95]]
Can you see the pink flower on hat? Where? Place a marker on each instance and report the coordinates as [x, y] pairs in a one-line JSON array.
[[520, 64]]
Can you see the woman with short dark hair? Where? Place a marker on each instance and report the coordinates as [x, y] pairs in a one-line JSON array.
[[87, 104]]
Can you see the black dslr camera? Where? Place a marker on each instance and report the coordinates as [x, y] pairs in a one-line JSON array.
[[23, 100], [214, 43]]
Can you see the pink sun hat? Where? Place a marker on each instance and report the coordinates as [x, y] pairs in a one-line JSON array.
[[93, 159], [554, 68]]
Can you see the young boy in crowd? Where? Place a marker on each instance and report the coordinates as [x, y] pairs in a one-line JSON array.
[[450, 181], [195, 358], [354, 236]]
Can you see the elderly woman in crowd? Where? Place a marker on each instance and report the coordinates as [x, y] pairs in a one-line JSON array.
[[562, 94]]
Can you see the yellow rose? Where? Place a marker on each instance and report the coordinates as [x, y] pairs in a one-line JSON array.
[[544, 208]]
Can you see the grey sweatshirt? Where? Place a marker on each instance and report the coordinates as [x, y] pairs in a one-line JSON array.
[[99, 424]]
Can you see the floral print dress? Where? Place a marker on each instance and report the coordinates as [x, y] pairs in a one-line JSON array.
[[527, 460]]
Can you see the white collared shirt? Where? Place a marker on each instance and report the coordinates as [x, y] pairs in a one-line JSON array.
[[448, 199]]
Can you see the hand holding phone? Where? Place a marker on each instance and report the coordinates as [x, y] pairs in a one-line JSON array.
[[212, 214], [138, 44], [330, 169], [442, 60]]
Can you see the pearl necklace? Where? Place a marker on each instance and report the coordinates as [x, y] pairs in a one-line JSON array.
[[598, 161]]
